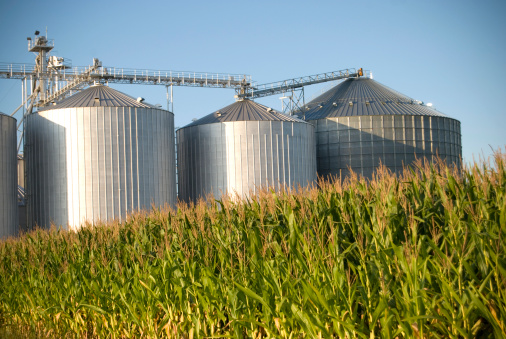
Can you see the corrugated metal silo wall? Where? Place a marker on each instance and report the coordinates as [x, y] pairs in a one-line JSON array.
[[362, 142], [243, 155], [8, 177], [98, 163]]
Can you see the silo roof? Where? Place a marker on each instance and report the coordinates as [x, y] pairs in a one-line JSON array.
[[244, 110], [364, 96], [6, 115], [98, 96]]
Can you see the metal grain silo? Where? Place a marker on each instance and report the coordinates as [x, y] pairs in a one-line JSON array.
[[97, 156], [242, 147], [8, 177], [360, 123]]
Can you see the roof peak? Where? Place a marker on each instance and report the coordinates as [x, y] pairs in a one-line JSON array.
[[364, 96], [244, 110], [99, 95]]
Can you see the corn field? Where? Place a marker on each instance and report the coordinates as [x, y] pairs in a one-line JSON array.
[[419, 255]]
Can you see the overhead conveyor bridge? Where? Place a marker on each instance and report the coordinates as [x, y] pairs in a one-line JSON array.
[[97, 73], [293, 89], [259, 91]]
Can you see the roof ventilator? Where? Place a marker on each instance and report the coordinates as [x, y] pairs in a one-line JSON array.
[[351, 103], [140, 99], [334, 104]]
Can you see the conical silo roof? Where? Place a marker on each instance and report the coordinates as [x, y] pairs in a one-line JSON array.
[[99, 96], [361, 97], [244, 110]]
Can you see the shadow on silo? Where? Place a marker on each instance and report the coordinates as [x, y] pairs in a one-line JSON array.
[[344, 148], [46, 173]]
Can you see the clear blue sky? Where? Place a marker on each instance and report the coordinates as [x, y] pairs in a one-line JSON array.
[[449, 53]]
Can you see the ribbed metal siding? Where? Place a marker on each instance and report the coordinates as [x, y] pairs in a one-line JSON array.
[[8, 177], [98, 163], [362, 142], [243, 155]]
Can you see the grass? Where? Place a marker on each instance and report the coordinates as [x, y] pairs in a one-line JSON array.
[[421, 255]]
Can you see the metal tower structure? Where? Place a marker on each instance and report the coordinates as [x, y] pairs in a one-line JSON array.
[[53, 78]]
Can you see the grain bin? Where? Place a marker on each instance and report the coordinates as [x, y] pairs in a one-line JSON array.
[[98, 155], [360, 123], [242, 147], [8, 177]]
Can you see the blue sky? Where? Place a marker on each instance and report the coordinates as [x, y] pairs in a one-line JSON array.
[[449, 53]]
